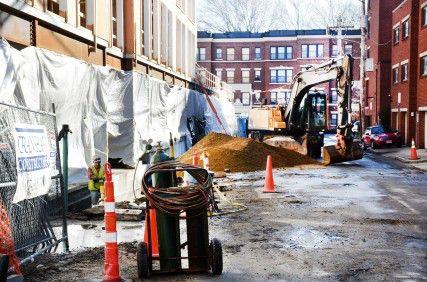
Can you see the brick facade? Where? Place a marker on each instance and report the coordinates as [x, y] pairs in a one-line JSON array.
[[379, 44], [266, 87], [409, 96]]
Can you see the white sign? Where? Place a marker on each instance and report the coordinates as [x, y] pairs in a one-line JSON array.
[[32, 149], [369, 64]]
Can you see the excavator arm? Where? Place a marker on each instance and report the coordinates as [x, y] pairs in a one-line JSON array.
[[341, 71]]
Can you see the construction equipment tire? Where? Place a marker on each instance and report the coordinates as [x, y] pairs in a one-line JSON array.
[[142, 260], [216, 256]]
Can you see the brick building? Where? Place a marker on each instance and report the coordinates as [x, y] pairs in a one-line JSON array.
[[378, 78], [156, 37], [409, 70], [262, 65]]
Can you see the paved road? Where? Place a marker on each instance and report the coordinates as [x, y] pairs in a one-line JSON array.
[[360, 220]]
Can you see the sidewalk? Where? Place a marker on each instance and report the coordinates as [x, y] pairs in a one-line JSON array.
[[402, 155]]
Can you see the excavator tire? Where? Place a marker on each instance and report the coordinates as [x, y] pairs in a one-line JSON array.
[[331, 155]]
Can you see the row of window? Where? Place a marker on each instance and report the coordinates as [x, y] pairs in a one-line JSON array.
[[405, 32], [404, 71], [276, 52], [276, 76]]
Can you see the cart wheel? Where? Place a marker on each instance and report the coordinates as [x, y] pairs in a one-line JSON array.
[[142, 260], [216, 254]]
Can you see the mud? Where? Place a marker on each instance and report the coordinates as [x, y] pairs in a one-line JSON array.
[[317, 227]]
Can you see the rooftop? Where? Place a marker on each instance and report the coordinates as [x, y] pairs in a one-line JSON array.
[[275, 33]]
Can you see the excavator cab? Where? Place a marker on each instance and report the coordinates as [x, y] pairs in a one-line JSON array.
[[316, 108]]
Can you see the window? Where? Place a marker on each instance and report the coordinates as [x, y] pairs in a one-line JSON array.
[[334, 119], [312, 51], [82, 13], [230, 54], [245, 76], [218, 54], [201, 54], [368, 29], [395, 75], [258, 53], [348, 49], [424, 16], [245, 54], [281, 98], [334, 51], [405, 29], [333, 99], [246, 98], [280, 53], [257, 75], [114, 22], [423, 65], [281, 76], [404, 72], [396, 35], [287, 96], [230, 76], [53, 6], [273, 98]]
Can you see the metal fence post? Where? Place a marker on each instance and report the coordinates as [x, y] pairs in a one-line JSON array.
[[63, 134]]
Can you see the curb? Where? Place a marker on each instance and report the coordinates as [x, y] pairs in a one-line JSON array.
[[409, 161]]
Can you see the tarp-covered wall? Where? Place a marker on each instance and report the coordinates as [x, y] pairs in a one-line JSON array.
[[110, 112]]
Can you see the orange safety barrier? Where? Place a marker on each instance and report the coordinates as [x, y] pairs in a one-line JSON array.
[[7, 246], [111, 263]]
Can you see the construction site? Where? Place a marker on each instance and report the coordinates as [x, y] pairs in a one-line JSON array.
[[125, 156]]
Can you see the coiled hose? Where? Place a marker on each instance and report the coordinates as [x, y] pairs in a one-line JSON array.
[[174, 200]]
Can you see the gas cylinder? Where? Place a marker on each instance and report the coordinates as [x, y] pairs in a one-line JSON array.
[[167, 224]]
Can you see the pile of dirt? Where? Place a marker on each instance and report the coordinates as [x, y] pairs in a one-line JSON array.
[[243, 154]]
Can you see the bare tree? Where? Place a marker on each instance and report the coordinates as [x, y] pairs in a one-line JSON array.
[[331, 11], [239, 15], [262, 15]]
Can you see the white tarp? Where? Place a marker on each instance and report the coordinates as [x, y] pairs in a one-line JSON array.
[[109, 112]]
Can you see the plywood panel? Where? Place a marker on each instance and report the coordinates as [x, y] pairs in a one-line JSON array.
[[65, 45], [114, 62]]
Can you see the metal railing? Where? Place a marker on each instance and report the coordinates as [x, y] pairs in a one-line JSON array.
[[213, 83]]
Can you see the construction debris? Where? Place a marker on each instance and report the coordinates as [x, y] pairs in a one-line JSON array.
[[237, 154]]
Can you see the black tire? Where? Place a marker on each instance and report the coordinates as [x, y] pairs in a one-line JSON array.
[[399, 145], [216, 256], [142, 260], [373, 146]]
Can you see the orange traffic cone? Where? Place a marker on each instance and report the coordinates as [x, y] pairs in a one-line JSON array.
[[269, 181], [153, 233], [414, 155], [196, 157], [111, 252]]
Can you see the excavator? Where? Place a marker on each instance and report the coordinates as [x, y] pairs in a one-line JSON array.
[[303, 119]]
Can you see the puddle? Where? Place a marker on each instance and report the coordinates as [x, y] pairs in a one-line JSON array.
[[91, 234], [308, 239]]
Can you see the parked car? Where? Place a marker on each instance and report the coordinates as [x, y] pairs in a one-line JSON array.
[[378, 136]]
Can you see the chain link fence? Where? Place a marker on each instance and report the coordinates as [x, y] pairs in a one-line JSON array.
[[30, 218]]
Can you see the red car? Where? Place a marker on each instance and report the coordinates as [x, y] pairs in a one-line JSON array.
[[378, 136]]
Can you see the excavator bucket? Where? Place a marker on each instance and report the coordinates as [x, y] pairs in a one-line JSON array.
[[333, 155]]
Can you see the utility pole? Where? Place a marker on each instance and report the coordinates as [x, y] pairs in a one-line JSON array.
[[362, 66]]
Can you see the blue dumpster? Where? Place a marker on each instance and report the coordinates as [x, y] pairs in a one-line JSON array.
[[242, 126]]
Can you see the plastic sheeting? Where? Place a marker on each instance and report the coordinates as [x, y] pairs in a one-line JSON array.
[[110, 112]]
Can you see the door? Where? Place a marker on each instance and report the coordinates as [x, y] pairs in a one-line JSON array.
[[425, 130], [406, 127]]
